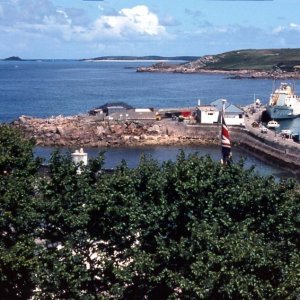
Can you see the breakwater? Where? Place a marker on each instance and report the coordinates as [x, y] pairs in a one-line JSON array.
[[285, 154], [88, 131]]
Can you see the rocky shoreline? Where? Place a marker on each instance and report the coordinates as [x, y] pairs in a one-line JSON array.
[[232, 74], [88, 131]]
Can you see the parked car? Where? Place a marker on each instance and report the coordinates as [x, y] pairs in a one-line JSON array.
[[264, 129]]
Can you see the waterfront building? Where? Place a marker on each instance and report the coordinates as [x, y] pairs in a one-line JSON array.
[[111, 108], [209, 114]]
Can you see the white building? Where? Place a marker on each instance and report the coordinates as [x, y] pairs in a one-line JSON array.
[[80, 158], [210, 114], [207, 114]]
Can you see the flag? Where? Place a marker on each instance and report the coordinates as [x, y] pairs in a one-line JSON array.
[[225, 141]]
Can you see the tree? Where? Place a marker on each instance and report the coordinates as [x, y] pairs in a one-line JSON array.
[[64, 270], [215, 232], [18, 214], [188, 229]]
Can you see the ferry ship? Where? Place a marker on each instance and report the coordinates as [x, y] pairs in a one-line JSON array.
[[283, 103]]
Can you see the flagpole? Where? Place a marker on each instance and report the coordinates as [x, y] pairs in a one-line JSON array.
[[223, 160], [223, 107], [225, 140]]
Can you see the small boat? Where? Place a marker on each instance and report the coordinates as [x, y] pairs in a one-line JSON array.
[[273, 124]]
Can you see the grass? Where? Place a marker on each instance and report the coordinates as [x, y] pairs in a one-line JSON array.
[[265, 59]]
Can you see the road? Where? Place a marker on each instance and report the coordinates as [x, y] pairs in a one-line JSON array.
[[271, 134]]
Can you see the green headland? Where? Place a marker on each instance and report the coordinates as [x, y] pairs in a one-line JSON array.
[[241, 63], [265, 59]]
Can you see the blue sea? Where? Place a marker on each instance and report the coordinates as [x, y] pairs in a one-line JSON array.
[[50, 88]]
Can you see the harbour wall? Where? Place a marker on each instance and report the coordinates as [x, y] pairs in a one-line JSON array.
[[80, 131], [278, 151]]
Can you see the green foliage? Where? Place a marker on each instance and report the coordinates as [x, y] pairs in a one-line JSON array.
[[15, 153], [214, 233], [18, 215], [256, 59], [189, 229]]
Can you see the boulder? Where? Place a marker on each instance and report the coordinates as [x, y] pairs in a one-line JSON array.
[[61, 131], [135, 138], [100, 130], [155, 129], [126, 138], [23, 119]]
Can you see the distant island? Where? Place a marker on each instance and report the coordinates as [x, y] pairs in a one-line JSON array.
[[114, 58], [14, 58], [137, 58], [239, 64], [264, 63]]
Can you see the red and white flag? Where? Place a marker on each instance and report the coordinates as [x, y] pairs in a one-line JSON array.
[[225, 141]]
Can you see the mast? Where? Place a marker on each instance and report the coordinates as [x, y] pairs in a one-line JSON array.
[[225, 140]]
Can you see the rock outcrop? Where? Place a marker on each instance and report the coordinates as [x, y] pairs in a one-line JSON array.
[[194, 67], [218, 64]]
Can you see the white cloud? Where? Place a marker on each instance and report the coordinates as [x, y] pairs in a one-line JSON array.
[[37, 23], [291, 27], [64, 16], [294, 26], [278, 29], [1, 12], [129, 21], [169, 21], [135, 23]]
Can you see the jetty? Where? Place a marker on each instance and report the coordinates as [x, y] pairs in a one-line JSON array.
[[94, 131], [269, 144]]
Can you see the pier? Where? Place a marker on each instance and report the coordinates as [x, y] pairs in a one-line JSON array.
[[89, 131], [269, 145]]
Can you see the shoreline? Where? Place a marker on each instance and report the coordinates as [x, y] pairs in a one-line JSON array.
[[88, 131], [233, 74]]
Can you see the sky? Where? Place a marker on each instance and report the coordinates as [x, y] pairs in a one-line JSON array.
[[85, 29]]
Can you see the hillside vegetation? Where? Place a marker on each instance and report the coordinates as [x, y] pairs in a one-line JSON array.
[[267, 59], [264, 63]]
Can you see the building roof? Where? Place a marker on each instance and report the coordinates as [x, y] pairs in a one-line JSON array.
[[207, 108], [233, 109], [115, 104], [229, 108], [110, 105]]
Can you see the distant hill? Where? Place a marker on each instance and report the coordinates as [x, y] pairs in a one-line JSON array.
[[265, 63], [13, 58], [150, 57], [267, 59]]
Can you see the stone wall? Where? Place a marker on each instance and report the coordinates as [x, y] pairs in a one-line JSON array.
[[88, 131], [284, 154]]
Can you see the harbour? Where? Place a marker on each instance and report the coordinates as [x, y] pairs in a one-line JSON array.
[[53, 89], [94, 131], [149, 150]]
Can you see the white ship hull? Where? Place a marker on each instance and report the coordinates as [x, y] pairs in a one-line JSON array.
[[284, 103], [277, 112]]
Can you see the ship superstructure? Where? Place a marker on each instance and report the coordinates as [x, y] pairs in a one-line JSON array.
[[284, 103]]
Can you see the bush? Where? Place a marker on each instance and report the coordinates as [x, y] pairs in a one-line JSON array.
[[189, 229]]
